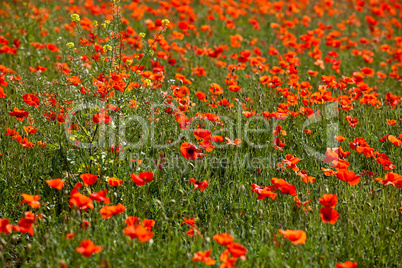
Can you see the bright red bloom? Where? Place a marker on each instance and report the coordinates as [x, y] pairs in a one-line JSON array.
[[56, 183], [89, 178], [148, 224], [25, 224], [227, 260], [80, 201], [330, 156], [391, 179], [304, 205], [394, 140], [263, 192], [142, 178], [100, 197], [204, 257], [190, 152], [352, 121], [190, 221], [31, 200], [291, 162], [102, 118], [349, 176], [296, 237], [87, 248], [2, 94], [199, 184], [284, 186], [84, 225], [132, 220], [5, 227], [19, 114], [329, 215], [347, 264], [31, 100], [108, 211], [304, 177], [70, 236], [114, 182], [329, 200], [137, 231], [237, 250], [223, 239], [202, 134]]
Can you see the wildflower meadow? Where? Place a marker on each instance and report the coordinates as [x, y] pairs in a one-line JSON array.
[[194, 133]]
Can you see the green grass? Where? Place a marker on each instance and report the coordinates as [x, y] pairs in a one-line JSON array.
[[369, 227]]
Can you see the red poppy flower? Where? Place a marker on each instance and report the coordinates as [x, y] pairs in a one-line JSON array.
[[100, 197], [204, 257], [201, 95], [237, 250], [329, 200], [304, 177], [296, 237], [284, 186], [87, 248], [223, 239], [19, 114], [5, 227], [330, 156], [80, 201], [202, 134], [352, 121], [70, 236], [190, 152], [189, 221], [339, 138], [199, 184], [394, 140], [31, 100], [329, 215], [102, 118], [263, 192], [108, 211], [137, 231], [217, 138], [56, 183], [132, 221], [84, 225], [89, 178], [349, 176], [31, 200], [347, 264], [2, 94], [148, 224], [114, 182], [304, 205], [142, 178], [25, 224], [391, 178]]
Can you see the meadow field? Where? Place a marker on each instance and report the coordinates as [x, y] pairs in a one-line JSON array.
[[193, 133]]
